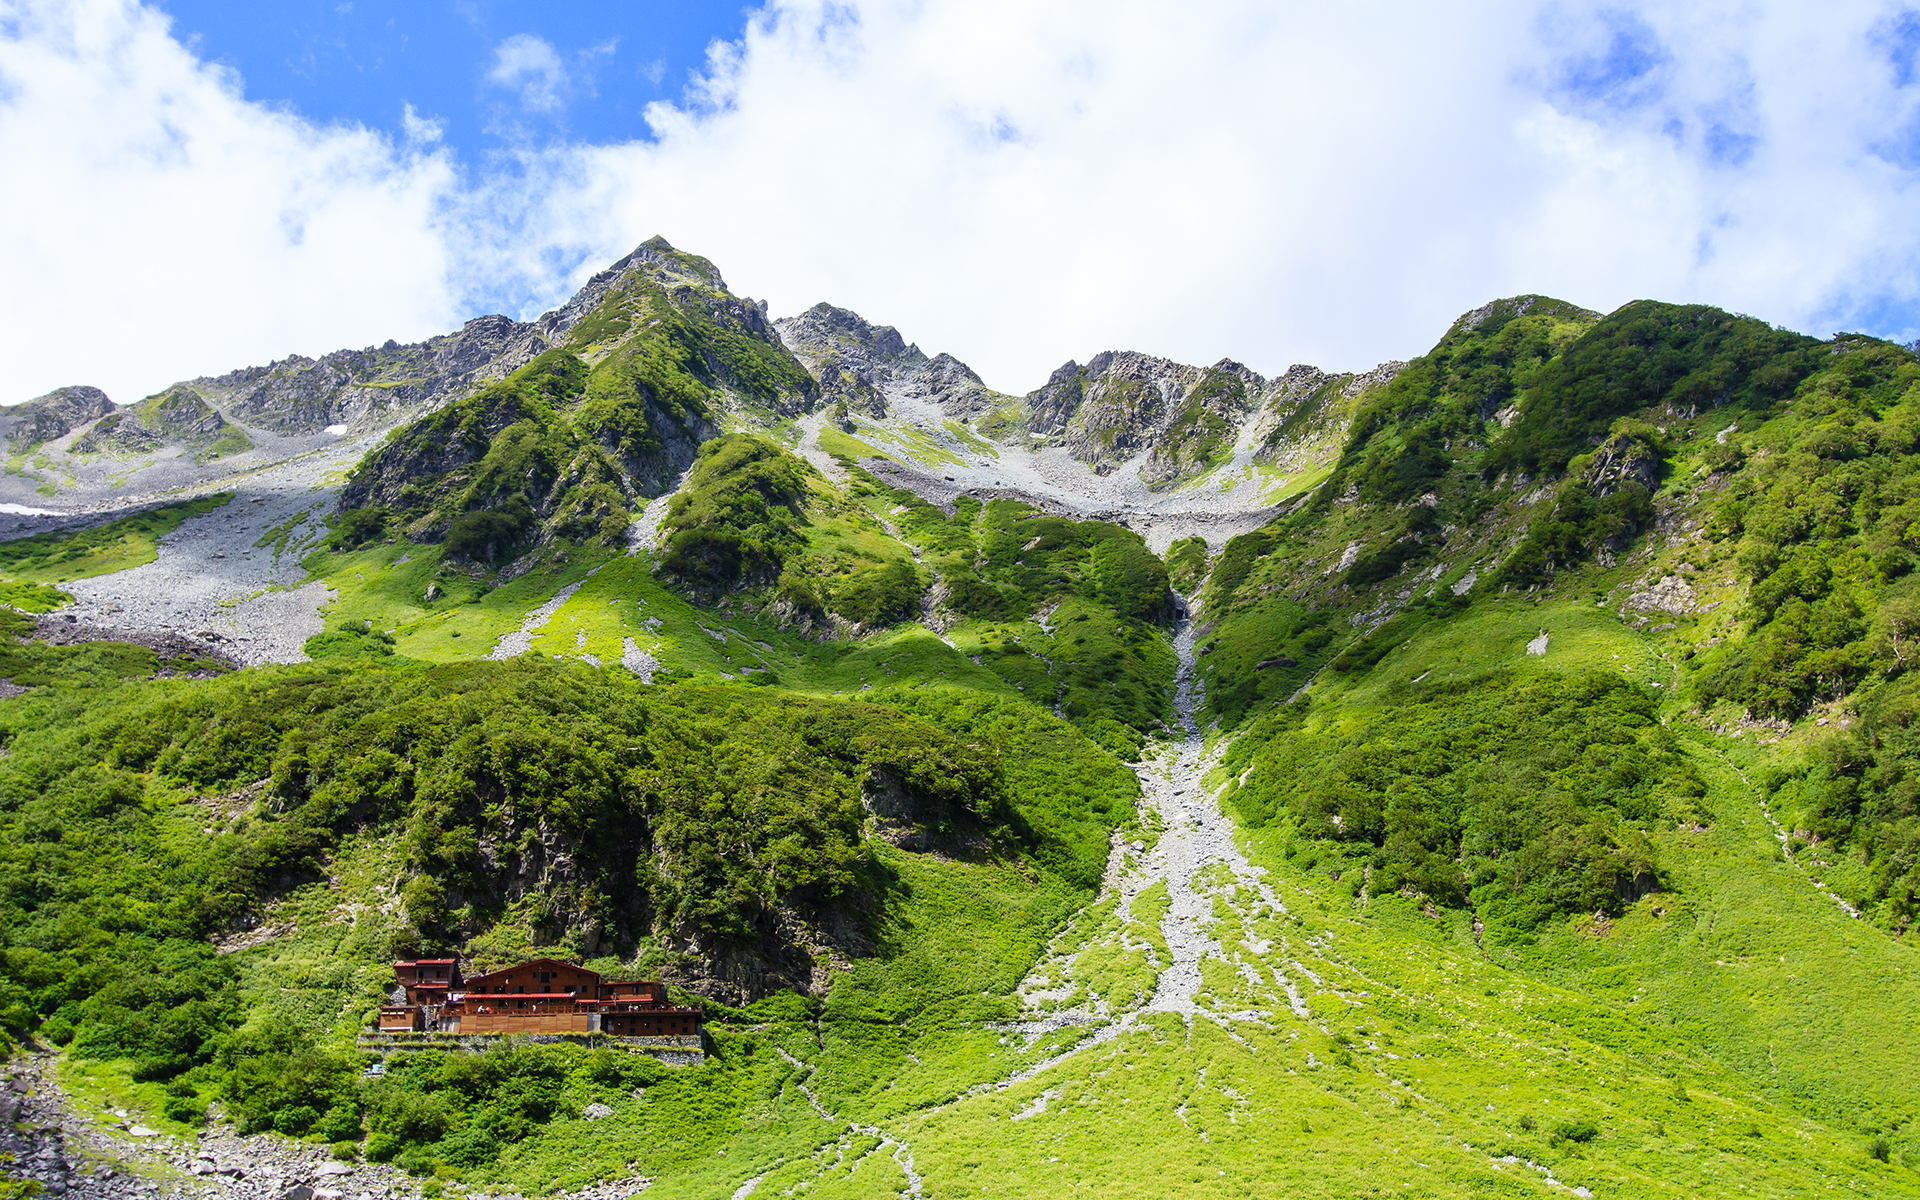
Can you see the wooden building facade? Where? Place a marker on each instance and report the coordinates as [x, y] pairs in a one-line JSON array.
[[545, 995]]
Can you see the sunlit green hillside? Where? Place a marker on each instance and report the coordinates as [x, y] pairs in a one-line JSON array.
[[1525, 809]]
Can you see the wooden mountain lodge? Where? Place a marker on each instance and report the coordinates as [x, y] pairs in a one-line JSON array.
[[545, 995]]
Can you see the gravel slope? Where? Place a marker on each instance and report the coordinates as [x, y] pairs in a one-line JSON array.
[[212, 580]]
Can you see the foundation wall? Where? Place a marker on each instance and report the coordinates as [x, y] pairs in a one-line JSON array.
[[473, 1022]]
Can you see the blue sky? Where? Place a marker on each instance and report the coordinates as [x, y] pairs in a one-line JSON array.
[[196, 187], [467, 65]]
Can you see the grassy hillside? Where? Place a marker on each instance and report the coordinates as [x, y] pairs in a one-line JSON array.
[[1561, 716]]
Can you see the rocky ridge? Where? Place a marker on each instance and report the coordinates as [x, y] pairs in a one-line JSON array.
[[862, 365], [1185, 420], [54, 415], [1127, 436]]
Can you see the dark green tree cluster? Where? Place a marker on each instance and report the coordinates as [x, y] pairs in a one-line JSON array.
[[1405, 437], [1597, 508], [696, 810], [1691, 357], [1821, 508], [1861, 792], [1524, 794], [434, 1108], [739, 520]]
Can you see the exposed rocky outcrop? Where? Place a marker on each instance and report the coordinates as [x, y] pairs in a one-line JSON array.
[[362, 388], [54, 415], [1187, 420], [1107, 411], [1623, 459], [1204, 426], [863, 365], [180, 415]]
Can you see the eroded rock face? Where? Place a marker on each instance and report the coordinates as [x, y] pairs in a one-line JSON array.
[[1107, 411], [362, 388], [54, 415], [864, 365], [1187, 420], [1205, 425], [1622, 460], [1670, 595]]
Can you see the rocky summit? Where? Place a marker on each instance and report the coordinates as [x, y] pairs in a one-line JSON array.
[[1478, 774]]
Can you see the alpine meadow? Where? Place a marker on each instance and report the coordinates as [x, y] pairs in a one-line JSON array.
[[1491, 774]]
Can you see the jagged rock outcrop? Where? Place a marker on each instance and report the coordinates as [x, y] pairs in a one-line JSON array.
[[362, 388], [180, 415], [863, 365], [1107, 411], [1308, 410], [1187, 420], [54, 415], [1204, 426], [1623, 459]]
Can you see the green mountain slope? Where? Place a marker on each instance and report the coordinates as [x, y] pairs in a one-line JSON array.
[[1523, 808]]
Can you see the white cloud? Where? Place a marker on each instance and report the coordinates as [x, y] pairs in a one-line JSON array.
[[1014, 182], [418, 129], [1330, 183], [153, 226], [531, 66]]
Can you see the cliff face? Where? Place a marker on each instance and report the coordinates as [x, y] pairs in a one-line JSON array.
[[1187, 420], [178, 417], [863, 365], [54, 415]]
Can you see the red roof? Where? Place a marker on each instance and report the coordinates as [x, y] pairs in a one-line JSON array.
[[490, 997]]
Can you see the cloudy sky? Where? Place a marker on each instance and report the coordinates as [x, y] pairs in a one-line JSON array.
[[193, 185]]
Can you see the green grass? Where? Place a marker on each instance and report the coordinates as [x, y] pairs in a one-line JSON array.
[[129, 542], [1495, 633], [32, 597]]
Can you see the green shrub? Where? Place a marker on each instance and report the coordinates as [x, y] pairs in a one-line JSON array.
[[1576, 1131], [32, 597], [739, 517], [350, 639], [1524, 794], [357, 526]]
